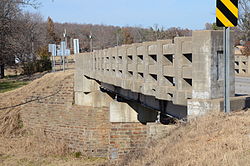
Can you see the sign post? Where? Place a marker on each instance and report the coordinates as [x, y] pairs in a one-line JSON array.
[[76, 46], [52, 50], [63, 50], [227, 48], [227, 16]]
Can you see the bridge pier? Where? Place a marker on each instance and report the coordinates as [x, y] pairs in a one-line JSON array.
[[208, 72], [127, 112], [87, 91]]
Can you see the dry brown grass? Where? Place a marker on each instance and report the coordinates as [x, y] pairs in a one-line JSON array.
[[214, 139], [23, 94], [13, 71], [20, 145], [38, 150]]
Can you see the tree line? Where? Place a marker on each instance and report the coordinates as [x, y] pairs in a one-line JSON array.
[[25, 36], [104, 36]]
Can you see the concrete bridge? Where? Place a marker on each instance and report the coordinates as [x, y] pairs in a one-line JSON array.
[[177, 78]]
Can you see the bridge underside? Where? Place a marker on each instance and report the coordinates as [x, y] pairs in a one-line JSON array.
[[163, 106], [127, 106]]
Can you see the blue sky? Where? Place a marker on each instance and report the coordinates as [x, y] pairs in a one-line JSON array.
[[192, 14]]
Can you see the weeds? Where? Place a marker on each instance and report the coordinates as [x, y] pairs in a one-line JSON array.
[[213, 139], [77, 154]]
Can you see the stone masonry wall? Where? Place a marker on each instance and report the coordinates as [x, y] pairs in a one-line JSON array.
[[126, 137], [85, 129]]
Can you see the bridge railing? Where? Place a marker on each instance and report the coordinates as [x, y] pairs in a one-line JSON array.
[[242, 65], [178, 70]]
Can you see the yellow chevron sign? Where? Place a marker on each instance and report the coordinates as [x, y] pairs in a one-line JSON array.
[[227, 13]]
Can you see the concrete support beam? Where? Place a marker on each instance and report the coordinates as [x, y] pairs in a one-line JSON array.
[[131, 112], [197, 107], [93, 99]]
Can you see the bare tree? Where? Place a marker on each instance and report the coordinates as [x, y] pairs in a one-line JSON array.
[[29, 37], [10, 10], [244, 20]]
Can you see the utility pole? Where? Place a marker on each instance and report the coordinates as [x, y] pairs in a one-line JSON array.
[[32, 45], [63, 52], [117, 39], [65, 38], [91, 42], [53, 58]]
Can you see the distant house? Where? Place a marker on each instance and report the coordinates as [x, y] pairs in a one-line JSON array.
[[242, 59], [238, 50], [242, 49]]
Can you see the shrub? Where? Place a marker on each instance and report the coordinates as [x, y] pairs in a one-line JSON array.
[[43, 64], [77, 154]]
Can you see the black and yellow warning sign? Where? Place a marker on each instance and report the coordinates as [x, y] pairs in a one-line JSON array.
[[227, 13]]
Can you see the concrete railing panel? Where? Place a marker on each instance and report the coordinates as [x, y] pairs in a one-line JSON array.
[[178, 70], [242, 65]]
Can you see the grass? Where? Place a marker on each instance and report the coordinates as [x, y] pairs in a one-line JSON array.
[[8, 85], [25, 160], [213, 139]]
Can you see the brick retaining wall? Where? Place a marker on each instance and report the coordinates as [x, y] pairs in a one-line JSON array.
[[85, 129]]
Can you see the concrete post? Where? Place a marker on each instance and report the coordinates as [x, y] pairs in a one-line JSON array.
[[85, 89], [162, 70], [134, 67], [208, 67], [145, 68], [208, 71], [180, 97], [125, 73]]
